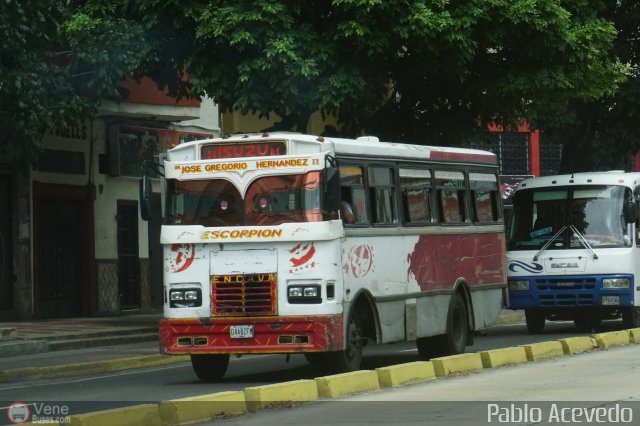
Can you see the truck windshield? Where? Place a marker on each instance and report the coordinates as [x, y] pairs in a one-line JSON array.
[[596, 212], [271, 200]]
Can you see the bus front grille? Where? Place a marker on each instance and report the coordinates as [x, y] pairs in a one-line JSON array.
[[569, 291], [243, 294]]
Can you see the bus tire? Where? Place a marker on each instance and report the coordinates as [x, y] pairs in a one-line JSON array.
[[631, 317], [210, 367], [535, 321], [455, 340], [350, 358]]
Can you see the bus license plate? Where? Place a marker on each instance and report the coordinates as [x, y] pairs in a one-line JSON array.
[[242, 331]]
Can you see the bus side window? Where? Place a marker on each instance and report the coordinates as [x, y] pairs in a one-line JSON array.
[[484, 197], [451, 196], [417, 196], [353, 206], [382, 192]]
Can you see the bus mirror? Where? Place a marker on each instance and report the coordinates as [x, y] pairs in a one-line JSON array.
[[145, 198], [332, 190]]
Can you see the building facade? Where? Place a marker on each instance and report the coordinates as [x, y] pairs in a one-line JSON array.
[[71, 239]]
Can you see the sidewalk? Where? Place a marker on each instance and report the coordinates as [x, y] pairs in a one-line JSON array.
[[79, 346], [593, 387]]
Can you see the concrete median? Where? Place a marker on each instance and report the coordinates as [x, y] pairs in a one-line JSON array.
[[634, 335], [347, 383], [543, 350], [145, 414], [202, 408], [411, 372], [456, 364], [260, 397], [576, 345], [504, 356], [612, 338]]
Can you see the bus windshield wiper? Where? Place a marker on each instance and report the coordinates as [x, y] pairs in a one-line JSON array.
[[583, 240], [548, 243]]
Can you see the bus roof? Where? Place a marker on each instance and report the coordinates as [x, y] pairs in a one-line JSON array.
[[365, 146], [614, 177]]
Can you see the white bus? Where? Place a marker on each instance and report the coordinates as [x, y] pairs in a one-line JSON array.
[[574, 249], [290, 243]]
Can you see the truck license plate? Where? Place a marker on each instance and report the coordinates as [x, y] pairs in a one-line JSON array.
[[242, 331], [610, 300]]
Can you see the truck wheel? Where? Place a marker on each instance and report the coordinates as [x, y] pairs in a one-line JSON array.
[[631, 317], [535, 321], [210, 367], [455, 340]]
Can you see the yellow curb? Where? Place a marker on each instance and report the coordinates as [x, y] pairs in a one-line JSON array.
[[576, 345], [543, 350], [346, 383], [461, 363], [634, 335], [145, 414], [202, 408], [612, 338], [505, 356], [260, 397], [411, 372], [91, 367]]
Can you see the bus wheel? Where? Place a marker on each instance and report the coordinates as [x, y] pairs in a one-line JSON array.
[[210, 367], [535, 321], [631, 317], [455, 340], [350, 358]]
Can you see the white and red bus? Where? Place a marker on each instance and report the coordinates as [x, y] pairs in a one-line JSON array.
[[290, 243]]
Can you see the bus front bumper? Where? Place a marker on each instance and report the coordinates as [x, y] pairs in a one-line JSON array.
[[251, 335]]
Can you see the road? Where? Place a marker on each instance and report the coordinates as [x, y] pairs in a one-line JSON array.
[[157, 384]]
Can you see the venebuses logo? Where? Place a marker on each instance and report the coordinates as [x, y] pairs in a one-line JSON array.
[[18, 413]]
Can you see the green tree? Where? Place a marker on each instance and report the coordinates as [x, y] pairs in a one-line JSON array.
[[56, 65], [423, 71], [603, 133]]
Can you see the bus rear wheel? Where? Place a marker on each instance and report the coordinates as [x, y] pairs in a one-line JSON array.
[[210, 367], [631, 317], [455, 340], [535, 321]]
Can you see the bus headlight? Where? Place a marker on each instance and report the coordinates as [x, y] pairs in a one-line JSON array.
[[304, 294], [185, 298], [519, 285], [616, 283]]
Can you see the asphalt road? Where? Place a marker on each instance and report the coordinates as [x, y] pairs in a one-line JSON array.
[[85, 394]]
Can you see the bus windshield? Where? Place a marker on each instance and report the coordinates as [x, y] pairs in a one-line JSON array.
[[270, 200], [596, 212]]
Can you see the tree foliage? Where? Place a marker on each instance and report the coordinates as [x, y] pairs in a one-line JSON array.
[[428, 71], [56, 66], [602, 133], [425, 71]]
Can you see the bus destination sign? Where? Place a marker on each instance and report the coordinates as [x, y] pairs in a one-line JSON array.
[[244, 149]]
